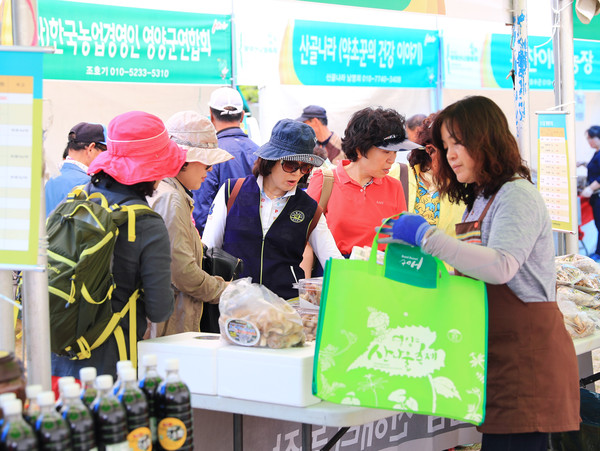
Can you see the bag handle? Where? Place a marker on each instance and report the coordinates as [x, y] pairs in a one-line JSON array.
[[405, 263]]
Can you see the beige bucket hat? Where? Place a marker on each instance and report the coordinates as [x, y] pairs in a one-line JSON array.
[[196, 134]]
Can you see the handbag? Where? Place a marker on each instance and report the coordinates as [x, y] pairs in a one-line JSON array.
[[217, 262], [404, 335]]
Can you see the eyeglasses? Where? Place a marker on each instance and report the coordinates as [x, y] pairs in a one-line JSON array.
[[293, 166]]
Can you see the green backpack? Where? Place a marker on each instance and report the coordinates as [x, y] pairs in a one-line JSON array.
[[82, 232]]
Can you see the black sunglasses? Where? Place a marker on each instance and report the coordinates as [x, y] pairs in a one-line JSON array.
[[293, 166]]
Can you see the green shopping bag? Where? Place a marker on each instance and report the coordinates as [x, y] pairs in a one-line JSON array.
[[404, 335]]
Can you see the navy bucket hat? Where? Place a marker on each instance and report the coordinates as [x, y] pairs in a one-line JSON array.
[[291, 140]]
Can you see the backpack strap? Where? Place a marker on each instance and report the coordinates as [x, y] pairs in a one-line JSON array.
[[315, 221], [403, 176], [326, 188], [232, 194]]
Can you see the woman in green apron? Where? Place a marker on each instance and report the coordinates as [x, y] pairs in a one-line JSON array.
[[505, 240]]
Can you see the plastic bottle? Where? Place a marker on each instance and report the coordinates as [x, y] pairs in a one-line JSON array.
[[9, 396], [79, 419], [31, 409], [109, 417], [62, 381], [136, 406], [149, 385], [87, 376], [121, 365], [17, 434], [52, 430], [175, 425]]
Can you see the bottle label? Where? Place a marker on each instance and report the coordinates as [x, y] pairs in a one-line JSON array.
[[123, 446], [140, 439], [171, 433], [242, 332]]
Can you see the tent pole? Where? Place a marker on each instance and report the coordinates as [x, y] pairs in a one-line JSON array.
[[564, 95]]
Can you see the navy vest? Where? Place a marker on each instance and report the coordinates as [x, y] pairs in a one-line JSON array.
[[268, 261]]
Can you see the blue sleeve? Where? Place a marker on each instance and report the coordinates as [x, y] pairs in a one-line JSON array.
[[593, 169], [204, 196]]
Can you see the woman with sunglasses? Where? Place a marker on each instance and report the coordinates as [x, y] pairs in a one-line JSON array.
[[265, 219], [363, 194], [424, 197]]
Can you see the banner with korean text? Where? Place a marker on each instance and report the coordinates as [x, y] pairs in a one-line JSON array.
[[109, 43], [341, 54]]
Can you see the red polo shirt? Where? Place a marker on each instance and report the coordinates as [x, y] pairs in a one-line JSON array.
[[353, 212]]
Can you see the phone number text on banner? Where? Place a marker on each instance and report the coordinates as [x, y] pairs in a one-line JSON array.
[[359, 55], [107, 43]]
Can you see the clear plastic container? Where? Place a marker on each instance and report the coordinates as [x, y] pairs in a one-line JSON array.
[[309, 290]]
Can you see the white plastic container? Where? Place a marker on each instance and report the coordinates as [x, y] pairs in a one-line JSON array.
[[197, 354], [279, 376]]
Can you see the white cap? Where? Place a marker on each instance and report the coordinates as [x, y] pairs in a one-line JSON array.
[[12, 407], [7, 397], [123, 364], [64, 381], [71, 391], [128, 374], [104, 382], [226, 100], [172, 364], [31, 391], [87, 374], [149, 360], [46, 398]]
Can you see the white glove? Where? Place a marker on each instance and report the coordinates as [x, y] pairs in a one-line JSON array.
[[587, 192]]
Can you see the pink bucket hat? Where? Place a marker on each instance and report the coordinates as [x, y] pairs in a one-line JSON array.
[[138, 150]]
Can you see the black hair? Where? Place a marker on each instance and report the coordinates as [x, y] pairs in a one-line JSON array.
[[263, 167], [368, 127], [593, 131], [230, 118], [415, 121], [420, 156], [142, 189]]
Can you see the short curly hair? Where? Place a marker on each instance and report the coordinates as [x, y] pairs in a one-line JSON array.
[[420, 156], [368, 127]]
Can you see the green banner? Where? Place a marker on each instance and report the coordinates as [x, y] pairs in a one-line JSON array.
[[586, 31], [109, 43]]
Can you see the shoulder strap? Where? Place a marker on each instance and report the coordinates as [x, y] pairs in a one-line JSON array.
[[315, 220], [404, 180], [326, 188], [233, 193]]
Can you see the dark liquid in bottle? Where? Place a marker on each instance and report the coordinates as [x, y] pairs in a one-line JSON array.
[[111, 422], [174, 402], [81, 424], [149, 385], [53, 432], [18, 436], [88, 395]]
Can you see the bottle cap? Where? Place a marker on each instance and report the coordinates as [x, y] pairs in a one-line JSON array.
[[172, 364], [71, 391], [12, 407], [149, 360], [7, 397], [31, 391], [123, 364], [46, 398], [87, 374], [64, 381], [128, 374], [104, 382]]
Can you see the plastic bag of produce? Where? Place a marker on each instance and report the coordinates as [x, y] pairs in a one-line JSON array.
[[578, 323], [567, 274], [252, 315], [579, 297], [586, 264]]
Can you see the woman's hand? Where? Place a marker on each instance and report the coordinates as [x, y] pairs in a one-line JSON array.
[[587, 191], [410, 228]]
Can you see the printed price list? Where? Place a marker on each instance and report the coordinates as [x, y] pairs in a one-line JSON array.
[[554, 173], [16, 149]]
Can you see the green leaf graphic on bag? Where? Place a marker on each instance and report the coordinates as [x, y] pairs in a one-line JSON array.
[[404, 336]]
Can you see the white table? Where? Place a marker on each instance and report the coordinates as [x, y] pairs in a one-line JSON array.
[[583, 348]]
